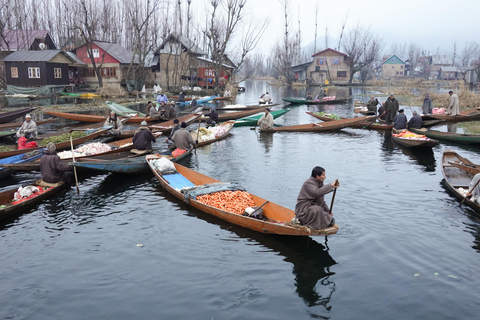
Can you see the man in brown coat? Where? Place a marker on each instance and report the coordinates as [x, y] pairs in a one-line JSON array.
[[52, 168], [311, 208]]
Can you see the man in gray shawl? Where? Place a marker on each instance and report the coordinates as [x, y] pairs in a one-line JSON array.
[[311, 208], [454, 104]]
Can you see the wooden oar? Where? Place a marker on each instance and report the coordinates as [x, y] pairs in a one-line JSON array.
[[375, 119], [198, 132], [333, 198], [74, 168], [476, 184]]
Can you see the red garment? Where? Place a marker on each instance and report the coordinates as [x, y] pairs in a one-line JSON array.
[[178, 152], [22, 143], [31, 144]]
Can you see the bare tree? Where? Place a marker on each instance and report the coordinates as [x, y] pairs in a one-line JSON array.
[[468, 53], [413, 54], [362, 48]]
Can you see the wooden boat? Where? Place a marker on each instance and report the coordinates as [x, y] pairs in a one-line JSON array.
[[12, 115], [131, 165], [122, 110], [323, 126], [96, 118], [19, 124], [252, 120], [227, 126], [277, 218], [7, 209], [215, 99], [18, 159], [450, 136], [363, 110], [457, 179], [59, 146], [417, 141], [167, 126], [237, 115], [239, 107], [8, 133], [304, 101], [87, 95], [466, 115], [465, 165]]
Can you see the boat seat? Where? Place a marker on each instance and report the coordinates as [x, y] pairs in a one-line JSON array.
[[140, 152], [42, 183], [177, 181]]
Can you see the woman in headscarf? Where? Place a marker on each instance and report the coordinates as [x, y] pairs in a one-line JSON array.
[[427, 105]]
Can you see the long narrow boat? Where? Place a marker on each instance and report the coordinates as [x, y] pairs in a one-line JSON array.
[[237, 115], [122, 110], [323, 126], [87, 95], [240, 107], [18, 159], [19, 124], [12, 115], [215, 99], [304, 101], [95, 118], [9, 208], [465, 115], [368, 124], [59, 146], [131, 165], [465, 165], [450, 136], [7, 133], [414, 140], [456, 179], [277, 219], [199, 101], [228, 125], [252, 120]]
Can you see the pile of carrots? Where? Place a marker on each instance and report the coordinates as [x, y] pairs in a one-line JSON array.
[[231, 201]]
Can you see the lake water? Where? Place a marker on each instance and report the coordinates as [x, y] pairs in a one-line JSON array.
[[404, 250]]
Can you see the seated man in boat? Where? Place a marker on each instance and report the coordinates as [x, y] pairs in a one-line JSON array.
[[162, 98], [181, 97], [28, 128], [309, 96], [176, 127], [114, 121], [372, 105], [143, 137], [311, 208], [148, 107], [170, 112], [266, 98], [266, 121], [155, 111], [193, 103], [52, 168], [183, 139], [213, 117], [400, 121], [475, 192], [415, 121]]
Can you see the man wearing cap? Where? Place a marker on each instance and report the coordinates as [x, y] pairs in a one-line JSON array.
[[372, 105], [391, 108], [143, 137], [28, 128], [400, 121], [114, 121], [183, 139], [52, 168], [266, 121], [162, 98], [454, 105]]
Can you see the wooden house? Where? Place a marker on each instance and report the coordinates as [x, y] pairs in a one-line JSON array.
[[330, 65], [300, 71], [207, 69], [449, 73], [113, 60], [37, 68], [393, 67]]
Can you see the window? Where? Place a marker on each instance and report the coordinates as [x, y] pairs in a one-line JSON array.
[[14, 72], [393, 67], [89, 72], [398, 73], [34, 72], [401, 67], [57, 73], [108, 72], [96, 53], [341, 74], [336, 61], [321, 61]]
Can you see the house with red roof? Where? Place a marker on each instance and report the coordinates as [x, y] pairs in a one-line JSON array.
[[329, 66]]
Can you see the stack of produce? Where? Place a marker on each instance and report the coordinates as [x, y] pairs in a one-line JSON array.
[[231, 201], [85, 150], [328, 98], [329, 115], [205, 134], [410, 135], [27, 192]]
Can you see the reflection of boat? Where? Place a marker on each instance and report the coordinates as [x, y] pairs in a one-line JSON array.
[[305, 101], [188, 185], [456, 179], [252, 120], [450, 136], [12, 115], [317, 127], [423, 156]]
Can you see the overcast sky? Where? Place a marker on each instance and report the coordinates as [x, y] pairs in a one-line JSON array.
[[430, 24]]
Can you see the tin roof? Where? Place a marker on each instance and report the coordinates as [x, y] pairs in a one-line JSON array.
[[20, 39], [328, 49], [35, 56], [184, 41], [117, 51], [393, 60]]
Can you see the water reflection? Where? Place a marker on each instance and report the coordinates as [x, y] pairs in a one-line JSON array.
[[452, 127], [387, 144], [423, 156], [267, 139]]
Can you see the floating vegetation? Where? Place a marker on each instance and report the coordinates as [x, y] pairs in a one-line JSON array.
[[63, 137]]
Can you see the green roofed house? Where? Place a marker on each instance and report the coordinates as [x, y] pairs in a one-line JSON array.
[[393, 67]]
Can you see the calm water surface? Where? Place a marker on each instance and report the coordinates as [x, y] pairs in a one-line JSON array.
[[405, 249]]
